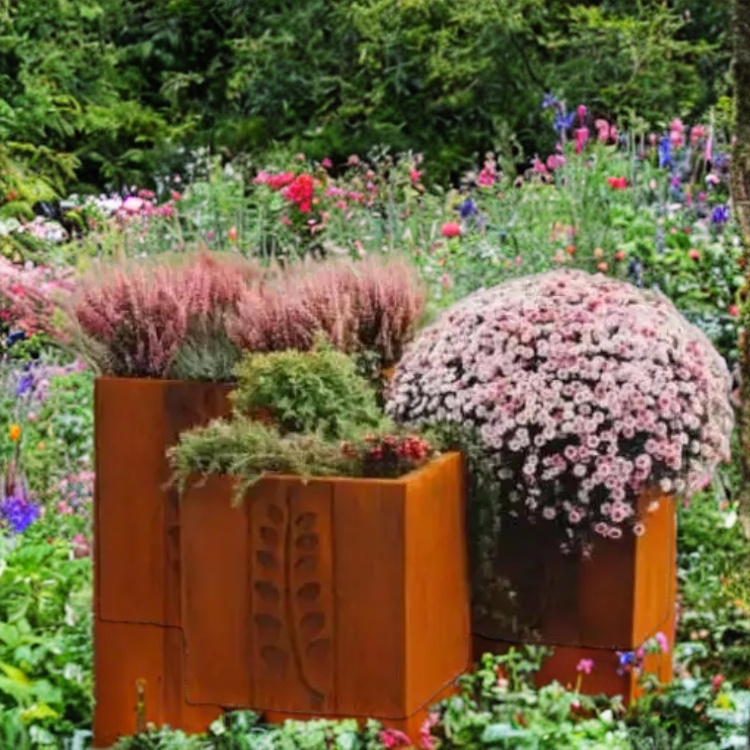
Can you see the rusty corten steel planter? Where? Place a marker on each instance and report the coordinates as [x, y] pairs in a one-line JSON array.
[[334, 597], [583, 608], [137, 612]]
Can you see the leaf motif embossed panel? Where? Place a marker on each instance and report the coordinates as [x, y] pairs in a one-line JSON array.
[[292, 596], [312, 586]]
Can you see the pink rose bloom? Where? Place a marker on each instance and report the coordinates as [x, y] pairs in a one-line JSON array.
[[554, 161]]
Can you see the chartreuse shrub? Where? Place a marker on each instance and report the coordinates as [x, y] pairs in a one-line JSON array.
[[311, 392]]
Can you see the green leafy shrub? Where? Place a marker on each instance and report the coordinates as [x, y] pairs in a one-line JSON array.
[[45, 643], [306, 392]]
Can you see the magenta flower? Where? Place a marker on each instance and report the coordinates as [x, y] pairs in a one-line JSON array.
[[585, 666], [426, 740], [663, 642], [581, 138], [392, 739]]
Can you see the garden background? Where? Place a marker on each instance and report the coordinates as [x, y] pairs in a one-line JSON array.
[[481, 140]]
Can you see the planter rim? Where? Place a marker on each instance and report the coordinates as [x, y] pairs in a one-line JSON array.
[[162, 381], [440, 460]]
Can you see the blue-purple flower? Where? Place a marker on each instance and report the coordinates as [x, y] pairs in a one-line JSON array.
[[25, 383], [665, 152], [14, 338], [468, 208], [564, 122], [720, 215], [17, 509]]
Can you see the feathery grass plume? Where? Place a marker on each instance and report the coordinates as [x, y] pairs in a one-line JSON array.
[[134, 317], [261, 322], [371, 305]]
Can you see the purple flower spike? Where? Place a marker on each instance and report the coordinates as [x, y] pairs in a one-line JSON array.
[[18, 510]]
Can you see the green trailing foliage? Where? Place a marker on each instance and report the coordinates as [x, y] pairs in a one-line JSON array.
[[243, 730], [248, 449], [301, 413], [498, 707]]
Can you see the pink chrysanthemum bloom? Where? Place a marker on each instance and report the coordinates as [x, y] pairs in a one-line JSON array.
[[582, 391]]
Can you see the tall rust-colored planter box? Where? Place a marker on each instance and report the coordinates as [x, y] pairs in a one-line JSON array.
[[334, 597], [137, 557], [597, 608]]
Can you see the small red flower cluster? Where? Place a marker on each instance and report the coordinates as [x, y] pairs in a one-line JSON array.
[[301, 192], [389, 455], [617, 183], [274, 181], [450, 229]]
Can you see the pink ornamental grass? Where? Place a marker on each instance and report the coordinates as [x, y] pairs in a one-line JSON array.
[[583, 392], [135, 317], [370, 305]]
